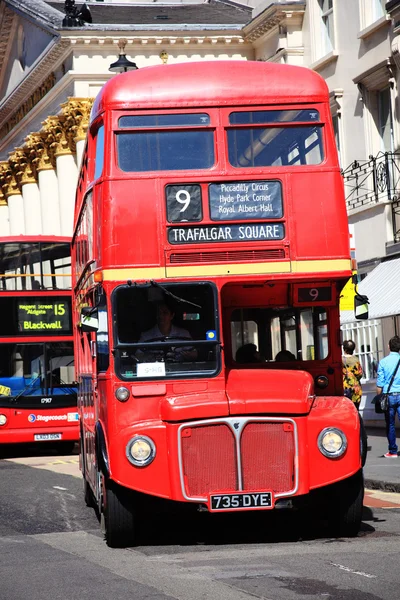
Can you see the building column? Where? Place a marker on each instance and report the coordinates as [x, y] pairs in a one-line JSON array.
[[12, 193], [67, 172], [44, 161], [26, 176], [77, 114], [4, 218]]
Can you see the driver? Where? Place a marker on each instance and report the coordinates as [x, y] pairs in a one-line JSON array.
[[164, 328]]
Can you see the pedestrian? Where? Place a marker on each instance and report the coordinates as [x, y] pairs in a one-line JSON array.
[[387, 368], [352, 373]]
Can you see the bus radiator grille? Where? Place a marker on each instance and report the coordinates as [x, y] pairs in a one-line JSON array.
[[268, 457], [209, 459], [210, 464], [227, 256]]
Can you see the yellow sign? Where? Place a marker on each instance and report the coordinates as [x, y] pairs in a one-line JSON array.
[[347, 296], [5, 391]]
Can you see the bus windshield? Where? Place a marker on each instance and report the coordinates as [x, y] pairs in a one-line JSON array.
[[31, 373], [166, 331]]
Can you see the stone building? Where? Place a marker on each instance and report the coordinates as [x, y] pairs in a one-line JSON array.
[[55, 56]]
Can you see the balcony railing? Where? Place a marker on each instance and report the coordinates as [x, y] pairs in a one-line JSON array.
[[374, 180], [368, 182]]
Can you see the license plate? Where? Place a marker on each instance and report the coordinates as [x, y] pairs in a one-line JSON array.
[[221, 502], [46, 437]]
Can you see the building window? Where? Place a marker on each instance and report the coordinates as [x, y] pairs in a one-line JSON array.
[[327, 26], [385, 120], [371, 11], [335, 102], [336, 129]]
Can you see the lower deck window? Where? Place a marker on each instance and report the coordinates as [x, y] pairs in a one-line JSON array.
[[279, 335]]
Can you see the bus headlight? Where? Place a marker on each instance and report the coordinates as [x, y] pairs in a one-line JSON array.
[[122, 394], [3, 419], [332, 442], [140, 451]]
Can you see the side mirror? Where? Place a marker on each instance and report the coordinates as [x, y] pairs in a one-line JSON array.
[[89, 319], [361, 306]]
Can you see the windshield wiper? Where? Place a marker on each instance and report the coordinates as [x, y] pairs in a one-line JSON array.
[[22, 392], [166, 291]]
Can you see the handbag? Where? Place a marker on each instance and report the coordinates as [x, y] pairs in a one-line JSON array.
[[381, 401]]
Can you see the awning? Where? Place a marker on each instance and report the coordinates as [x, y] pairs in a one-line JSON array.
[[382, 287]]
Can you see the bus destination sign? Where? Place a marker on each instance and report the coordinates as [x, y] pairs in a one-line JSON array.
[[44, 316], [226, 233], [233, 201]]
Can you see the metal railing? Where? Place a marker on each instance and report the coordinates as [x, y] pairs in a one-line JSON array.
[[368, 182], [374, 180]]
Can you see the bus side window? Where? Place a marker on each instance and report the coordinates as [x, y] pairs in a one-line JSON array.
[[99, 158]]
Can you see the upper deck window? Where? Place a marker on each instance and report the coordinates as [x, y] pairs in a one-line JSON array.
[[165, 150], [99, 159], [275, 146], [35, 266], [170, 120], [260, 117]]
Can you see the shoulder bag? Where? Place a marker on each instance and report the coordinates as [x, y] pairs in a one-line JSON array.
[[381, 401]]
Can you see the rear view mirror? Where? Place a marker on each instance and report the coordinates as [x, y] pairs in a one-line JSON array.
[[89, 319], [361, 306]]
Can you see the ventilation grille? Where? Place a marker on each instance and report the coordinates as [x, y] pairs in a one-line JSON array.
[[210, 463], [228, 256]]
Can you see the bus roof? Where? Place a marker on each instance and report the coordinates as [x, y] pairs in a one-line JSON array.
[[211, 83]]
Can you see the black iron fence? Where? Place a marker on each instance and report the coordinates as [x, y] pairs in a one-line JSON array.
[[374, 180], [368, 182]]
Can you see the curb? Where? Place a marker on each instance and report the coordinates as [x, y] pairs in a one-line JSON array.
[[385, 486]]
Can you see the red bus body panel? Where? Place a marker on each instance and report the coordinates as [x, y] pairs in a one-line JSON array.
[[191, 421]]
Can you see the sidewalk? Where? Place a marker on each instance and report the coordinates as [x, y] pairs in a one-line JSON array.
[[381, 473]]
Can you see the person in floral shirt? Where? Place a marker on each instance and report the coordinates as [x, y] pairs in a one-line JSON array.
[[352, 373]]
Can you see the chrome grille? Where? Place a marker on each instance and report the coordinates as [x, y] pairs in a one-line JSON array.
[[238, 455]]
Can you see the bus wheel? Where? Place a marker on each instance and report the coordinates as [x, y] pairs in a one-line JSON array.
[[346, 506], [119, 518], [88, 494]]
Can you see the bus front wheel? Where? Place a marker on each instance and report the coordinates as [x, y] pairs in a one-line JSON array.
[[346, 506], [119, 517]]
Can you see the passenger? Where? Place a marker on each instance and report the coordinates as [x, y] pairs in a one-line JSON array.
[[352, 373], [248, 353], [285, 356], [165, 328]]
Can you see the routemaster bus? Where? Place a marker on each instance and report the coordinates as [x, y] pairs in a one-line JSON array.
[[38, 391], [210, 249]]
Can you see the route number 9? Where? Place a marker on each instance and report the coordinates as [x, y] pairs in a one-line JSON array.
[[314, 293], [183, 203], [183, 197]]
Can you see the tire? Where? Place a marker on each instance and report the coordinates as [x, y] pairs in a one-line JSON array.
[[119, 517], [88, 494], [346, 506]]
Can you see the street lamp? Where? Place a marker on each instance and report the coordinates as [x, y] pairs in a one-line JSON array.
[[122, 65]]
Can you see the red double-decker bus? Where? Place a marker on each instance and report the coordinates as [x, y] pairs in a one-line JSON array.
[[210, 248], [38, 391]]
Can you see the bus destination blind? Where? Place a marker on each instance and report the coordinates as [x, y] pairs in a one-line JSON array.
[[238, 201], [44, 316], [249, 232]]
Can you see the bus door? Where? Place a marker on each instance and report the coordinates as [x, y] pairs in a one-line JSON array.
[[94, 353]]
